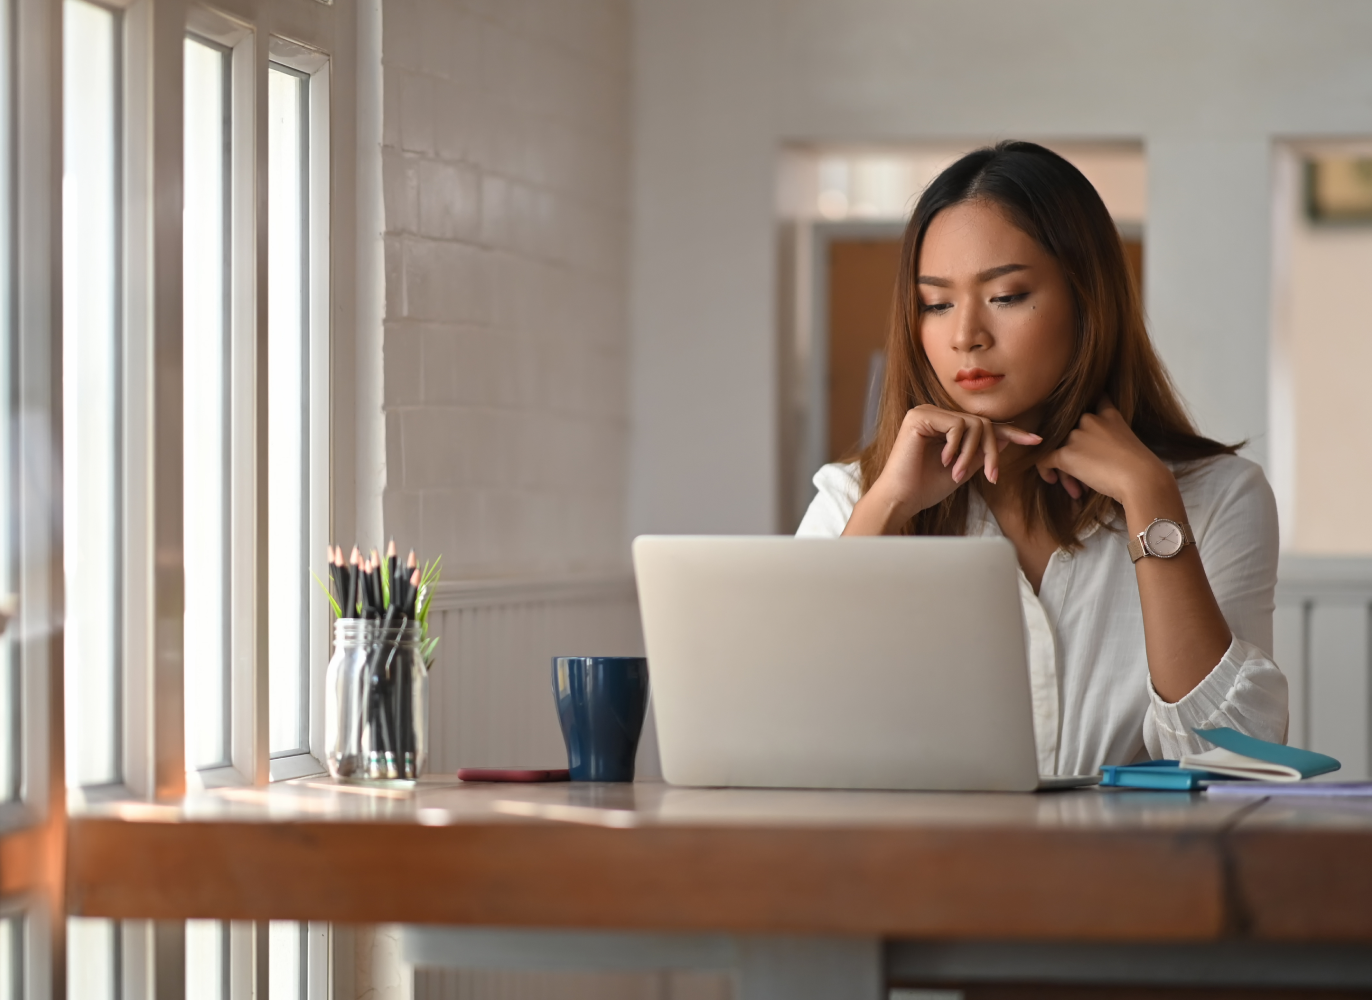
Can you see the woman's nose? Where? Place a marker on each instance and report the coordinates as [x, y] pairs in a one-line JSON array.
[[970, 333]]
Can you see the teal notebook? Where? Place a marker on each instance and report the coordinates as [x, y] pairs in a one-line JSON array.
[[1239, 756], [1235, 756], [1160, 775]]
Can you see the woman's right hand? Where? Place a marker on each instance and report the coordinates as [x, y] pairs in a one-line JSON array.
[[935, 452]]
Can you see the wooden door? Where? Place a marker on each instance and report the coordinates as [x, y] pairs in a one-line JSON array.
[[862, 279]]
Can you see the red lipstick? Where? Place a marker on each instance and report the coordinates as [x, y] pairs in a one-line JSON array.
[[976, 378]]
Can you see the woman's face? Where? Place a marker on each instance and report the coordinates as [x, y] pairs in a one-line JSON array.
[[996, 313]]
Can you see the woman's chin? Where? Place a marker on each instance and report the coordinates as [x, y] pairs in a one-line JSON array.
[[994, 410]]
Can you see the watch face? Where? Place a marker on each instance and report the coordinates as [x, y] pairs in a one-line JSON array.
[[1164, 538]]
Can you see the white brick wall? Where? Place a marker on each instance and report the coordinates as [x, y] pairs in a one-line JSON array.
[[505, 168]]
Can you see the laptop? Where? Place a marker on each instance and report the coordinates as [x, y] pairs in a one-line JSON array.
[[879, 663]]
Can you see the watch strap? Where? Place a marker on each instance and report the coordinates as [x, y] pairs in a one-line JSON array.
[[1137, 548]]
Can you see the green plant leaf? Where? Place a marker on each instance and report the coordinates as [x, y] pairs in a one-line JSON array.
[[426, 651], [337, 612]]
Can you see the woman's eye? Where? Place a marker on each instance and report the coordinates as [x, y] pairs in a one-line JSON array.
[[937, 307], [1009, 300]]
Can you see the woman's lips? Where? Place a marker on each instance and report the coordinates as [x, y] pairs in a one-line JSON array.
[[976, 378]]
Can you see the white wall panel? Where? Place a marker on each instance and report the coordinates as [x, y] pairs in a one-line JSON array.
[[1339, 684], [1288, 650], [1322, 635]]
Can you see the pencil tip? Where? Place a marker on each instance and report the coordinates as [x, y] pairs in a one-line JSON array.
[[412, 561], [356, 557], [414, 579], [390, 550]]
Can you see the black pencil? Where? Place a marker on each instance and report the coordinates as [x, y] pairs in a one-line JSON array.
[[390, 570], [354, 570], [411, 576], [374, 584], [364, 586]]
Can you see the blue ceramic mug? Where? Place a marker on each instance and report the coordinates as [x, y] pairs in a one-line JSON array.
[[601, 701]]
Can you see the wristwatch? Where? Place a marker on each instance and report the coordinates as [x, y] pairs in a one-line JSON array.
[[1163, 538]]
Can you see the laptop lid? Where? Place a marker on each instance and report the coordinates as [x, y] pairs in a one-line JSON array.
[[894, 663]]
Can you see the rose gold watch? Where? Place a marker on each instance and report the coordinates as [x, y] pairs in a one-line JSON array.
[[1163, 538]]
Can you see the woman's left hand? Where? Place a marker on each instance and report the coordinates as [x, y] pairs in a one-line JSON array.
[[1104, 454]]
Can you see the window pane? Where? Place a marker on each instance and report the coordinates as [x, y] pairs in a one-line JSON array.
[[91, 965], [90, 359], [205, 405], [286, 963], [287, 402], [207, 965]]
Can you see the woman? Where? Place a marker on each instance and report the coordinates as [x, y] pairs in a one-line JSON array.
[[1023, 398]]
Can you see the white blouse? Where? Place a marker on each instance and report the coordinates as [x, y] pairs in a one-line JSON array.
[[1094, 701]]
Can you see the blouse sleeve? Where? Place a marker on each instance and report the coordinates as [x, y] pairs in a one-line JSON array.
[[839, 490], [1237, 537]]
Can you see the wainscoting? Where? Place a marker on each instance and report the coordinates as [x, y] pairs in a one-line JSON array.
[[1322, 638], [491, 702]]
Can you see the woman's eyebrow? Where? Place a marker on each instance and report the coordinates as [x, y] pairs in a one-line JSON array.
[[996, 272], [984, 276]]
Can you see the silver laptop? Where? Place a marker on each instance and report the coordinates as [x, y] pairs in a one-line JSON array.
[[894, 663]]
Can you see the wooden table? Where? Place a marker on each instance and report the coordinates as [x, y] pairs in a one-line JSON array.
[[1090, 867]]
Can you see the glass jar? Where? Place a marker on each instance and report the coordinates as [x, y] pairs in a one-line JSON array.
[[343, 697], [377, 702]]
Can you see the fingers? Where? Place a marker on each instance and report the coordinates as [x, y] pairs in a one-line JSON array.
[[1049, 472], [971, 443], [952, 442], [1011, 434], [967, 439], [991, 447]]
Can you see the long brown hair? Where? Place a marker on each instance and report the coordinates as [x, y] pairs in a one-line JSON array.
[[1051, 201]]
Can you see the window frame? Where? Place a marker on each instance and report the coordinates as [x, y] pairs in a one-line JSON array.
[[315, 67], [150, 708], [246, 295]]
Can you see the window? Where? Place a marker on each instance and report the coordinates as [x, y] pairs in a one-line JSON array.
[[235, 374], [205, 401], [288, 404], [244, 450], [297, 398], [90, 360]]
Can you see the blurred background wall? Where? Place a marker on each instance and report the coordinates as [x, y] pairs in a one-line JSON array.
[[1205, 87]]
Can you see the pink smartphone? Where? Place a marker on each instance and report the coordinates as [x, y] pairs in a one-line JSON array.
[[512, 774]]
